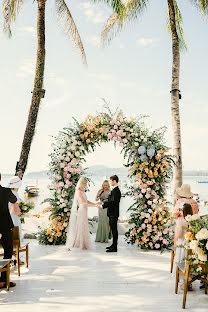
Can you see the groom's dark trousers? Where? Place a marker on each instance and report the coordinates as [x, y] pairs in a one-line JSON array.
[[6, 224], [112, 204]]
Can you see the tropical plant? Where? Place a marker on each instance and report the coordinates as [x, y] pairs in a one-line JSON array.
[[128, 10], [10, 11]]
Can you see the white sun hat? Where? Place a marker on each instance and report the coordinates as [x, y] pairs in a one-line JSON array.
[[15, 182], [185, 191]]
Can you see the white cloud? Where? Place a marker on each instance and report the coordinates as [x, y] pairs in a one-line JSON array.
[[27, 69], [128, 84], [26, 30], [105, 77], [94, 40], [147, 42], [85, 5], [55, 102], [92, 14]]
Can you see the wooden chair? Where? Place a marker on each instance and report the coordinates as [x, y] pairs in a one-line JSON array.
[[17, 249], [172, 260], [190, 278], [5, 267]]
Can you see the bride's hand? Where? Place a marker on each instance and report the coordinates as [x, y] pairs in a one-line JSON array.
[[99, 205]]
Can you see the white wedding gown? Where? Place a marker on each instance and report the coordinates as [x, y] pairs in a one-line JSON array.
[[78, 235]]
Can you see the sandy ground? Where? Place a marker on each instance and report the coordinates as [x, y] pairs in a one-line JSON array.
[[96, 281]]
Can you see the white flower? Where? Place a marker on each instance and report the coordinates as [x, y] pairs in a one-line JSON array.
[[202, 234], [207, 245], [147, 215], [136, 144], [65, 209], [73, 138], [145, 139], [143, 225], [188, 218], [150, 210], [73, 147], [75, 142], [201, 255], [79, 143], [193, 245]]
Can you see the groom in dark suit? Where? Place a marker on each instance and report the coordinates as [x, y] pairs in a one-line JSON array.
[[112, 203], [6, 226]]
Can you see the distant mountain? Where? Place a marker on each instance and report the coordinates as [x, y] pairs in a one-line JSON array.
[[195, 173], [100, 170], [106, 171]]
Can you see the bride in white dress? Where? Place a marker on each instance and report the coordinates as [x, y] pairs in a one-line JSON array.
[[78, 235]]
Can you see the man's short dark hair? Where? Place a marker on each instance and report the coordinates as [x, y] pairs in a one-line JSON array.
[[114, 178]]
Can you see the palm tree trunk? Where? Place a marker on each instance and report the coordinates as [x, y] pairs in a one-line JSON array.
[[37, 91], [177, 151]]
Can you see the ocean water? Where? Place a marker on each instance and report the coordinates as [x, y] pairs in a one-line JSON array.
[[199, 188]]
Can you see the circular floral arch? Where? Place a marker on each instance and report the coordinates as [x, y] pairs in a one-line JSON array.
[[150, 169]]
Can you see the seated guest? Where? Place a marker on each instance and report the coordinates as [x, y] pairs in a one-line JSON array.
[[185, 197], [103, 230], [14, 184], [6, 226], [180, 232]]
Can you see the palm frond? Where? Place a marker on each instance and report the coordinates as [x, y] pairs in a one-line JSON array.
[[131, 9], [179, 26], [11, 9], [202, 5], [66, 20]]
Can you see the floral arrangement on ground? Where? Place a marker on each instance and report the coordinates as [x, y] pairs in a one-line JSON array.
[[150, 169], [197, 241]]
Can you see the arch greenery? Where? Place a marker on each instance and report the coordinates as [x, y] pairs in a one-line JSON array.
[[150, 170]]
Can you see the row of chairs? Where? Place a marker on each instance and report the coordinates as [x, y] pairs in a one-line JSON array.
[[18, 249], [189, 277]]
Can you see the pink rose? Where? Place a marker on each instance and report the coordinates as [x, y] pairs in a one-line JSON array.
[[143, 191], [165, 242], [62, 165], [110, 136], [149, 202], [68, 176], [140, 196], [153, 206], [157, 246], [155, 200], [115, 127], [159, 233], [136, 195], [147, 196], [135, 186], [67, 159], [125, 141]]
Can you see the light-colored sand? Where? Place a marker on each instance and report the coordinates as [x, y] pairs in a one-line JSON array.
[[94, 281]]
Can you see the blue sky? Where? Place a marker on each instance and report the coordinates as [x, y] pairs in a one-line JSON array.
[[134, 72]]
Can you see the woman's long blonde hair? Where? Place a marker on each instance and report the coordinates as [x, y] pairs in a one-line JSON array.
[[82, 183], [105, 181]]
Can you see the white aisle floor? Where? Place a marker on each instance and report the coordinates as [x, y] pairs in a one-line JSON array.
[[94, 281]]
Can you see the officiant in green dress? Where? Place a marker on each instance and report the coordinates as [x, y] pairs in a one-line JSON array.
[[103, 230]]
